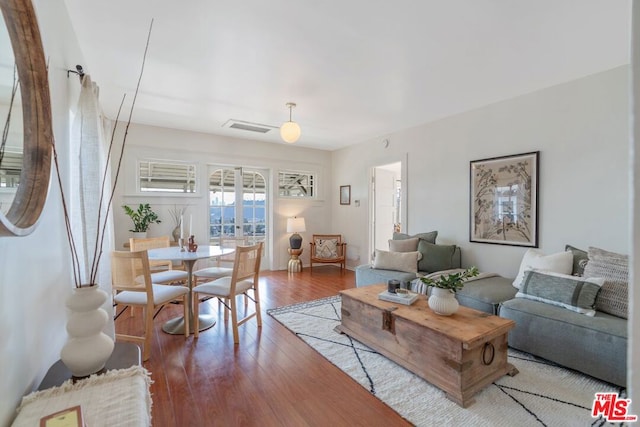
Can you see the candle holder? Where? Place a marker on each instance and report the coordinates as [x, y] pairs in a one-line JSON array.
[[181, 244], [192, 247]]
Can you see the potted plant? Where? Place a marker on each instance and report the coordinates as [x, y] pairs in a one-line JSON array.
[[442, 300], [142, 218]]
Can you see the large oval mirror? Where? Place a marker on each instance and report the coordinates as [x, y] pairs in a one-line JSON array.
[[26, 167], [11, 137]]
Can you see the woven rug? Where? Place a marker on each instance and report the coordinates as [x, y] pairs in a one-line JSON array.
[[542, 394]]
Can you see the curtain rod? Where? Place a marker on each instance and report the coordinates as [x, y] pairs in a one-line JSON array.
[[79, 71]]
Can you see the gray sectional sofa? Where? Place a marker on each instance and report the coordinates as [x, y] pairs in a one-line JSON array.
[[596, 345]]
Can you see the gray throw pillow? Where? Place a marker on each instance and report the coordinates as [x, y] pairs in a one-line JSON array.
[[429, 237], [613, 297], [435, 257], [574, 293], [580, 259]]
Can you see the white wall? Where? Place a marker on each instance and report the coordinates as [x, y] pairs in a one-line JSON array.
[[581, 130], [144, 142], [34, 275]]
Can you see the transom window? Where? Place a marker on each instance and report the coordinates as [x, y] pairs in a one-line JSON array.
[[10, 168], [296, 184], [167, 177]]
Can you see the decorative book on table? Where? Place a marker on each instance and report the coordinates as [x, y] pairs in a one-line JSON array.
[[404, 298], [70, 417]]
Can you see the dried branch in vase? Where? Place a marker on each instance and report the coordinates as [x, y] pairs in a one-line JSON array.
[[101, 222]]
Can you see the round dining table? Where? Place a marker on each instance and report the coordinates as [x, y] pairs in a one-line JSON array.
[[175, 253]]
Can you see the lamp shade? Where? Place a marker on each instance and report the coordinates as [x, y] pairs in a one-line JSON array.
[[295, 225], [290, 132]]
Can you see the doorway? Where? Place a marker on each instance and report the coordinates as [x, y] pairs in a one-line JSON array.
[[388, 205], [238, 205]]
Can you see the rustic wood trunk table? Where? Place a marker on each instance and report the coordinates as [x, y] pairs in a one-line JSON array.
[[460, 354]]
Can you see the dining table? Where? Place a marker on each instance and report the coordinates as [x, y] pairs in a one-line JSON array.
[[175, 253]]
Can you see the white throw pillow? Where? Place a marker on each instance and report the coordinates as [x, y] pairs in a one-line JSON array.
[[404, 245], [561, 262], [326, 248], [400, 261]]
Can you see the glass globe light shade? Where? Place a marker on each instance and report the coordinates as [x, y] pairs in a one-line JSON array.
[[290, 132]]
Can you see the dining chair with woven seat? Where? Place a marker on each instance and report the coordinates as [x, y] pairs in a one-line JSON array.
[[126, 268], [162, 271], [245, 275], [224, 263]]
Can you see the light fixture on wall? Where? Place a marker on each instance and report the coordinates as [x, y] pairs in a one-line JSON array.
[[290, 131], [295, 225]]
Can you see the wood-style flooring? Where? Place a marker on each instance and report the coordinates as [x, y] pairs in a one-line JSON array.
[[272, 378]]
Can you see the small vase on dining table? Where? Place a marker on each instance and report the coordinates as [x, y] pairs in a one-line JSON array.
[[87, 348]]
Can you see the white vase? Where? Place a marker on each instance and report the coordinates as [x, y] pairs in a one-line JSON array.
[[87, 348], [139, 234], [443, 301]]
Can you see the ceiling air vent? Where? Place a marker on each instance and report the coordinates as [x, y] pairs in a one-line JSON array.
[[249, 126]]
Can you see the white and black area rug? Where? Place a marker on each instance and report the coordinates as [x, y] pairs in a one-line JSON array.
[[542, 394]]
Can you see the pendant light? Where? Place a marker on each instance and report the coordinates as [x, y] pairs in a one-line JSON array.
[[290, 131]]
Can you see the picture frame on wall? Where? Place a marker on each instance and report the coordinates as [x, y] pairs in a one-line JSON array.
[[345, 194], [503, 202]]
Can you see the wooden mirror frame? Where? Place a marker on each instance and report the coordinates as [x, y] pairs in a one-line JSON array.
[[22, 25]]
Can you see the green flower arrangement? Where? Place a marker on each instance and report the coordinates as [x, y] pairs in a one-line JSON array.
[[452, 282]]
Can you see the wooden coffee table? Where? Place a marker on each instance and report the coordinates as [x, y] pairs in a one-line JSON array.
[[460, 354]]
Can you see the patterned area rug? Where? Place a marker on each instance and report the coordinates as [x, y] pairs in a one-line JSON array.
[[542, 394]]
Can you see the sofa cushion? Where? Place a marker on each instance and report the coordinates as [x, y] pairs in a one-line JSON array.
[[570, 292], [404, 245], [429, 237], [366, 275], [400, 261], [595, 345], [580, 259], [487, 293], [561, 262], [614, 268], [436, 257]]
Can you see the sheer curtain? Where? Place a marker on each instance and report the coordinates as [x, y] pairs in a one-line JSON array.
[[89, 145]]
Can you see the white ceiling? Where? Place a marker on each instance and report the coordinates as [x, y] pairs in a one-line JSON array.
[[358, 69]]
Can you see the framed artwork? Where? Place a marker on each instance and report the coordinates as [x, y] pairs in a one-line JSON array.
[[345, 194], [503, 206]]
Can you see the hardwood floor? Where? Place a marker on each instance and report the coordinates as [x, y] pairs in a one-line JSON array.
[[271, 378]]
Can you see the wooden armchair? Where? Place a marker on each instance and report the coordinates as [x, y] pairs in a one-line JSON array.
[[328, 249]]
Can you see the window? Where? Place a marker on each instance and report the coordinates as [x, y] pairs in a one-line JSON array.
[[167, 177], [296, 184], [10, 170]]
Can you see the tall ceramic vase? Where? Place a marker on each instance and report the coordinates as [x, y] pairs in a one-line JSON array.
[[87, 348], [443, 301]]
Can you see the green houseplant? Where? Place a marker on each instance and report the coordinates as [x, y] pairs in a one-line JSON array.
[[442, 299], [142, 218], [451, 282]]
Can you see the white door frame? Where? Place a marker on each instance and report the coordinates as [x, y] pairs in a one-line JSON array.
[[239, 213], [403, 204]]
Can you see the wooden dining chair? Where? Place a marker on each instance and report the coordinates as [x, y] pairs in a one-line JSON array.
[[245, 275], [129, 292], [327, 249], [162, 271], [224, 263]]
